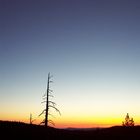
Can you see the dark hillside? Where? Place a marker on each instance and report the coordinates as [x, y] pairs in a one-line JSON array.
[[17, 130]]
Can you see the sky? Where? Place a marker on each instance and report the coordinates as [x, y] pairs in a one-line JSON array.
[[91, 47]]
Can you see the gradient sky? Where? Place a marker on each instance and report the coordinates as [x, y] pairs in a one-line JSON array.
[[92, 48]]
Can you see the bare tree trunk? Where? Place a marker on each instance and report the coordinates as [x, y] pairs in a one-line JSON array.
[[30, 118], [47, 102]]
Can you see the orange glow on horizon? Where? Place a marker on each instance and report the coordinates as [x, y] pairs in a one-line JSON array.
[[75, 122]]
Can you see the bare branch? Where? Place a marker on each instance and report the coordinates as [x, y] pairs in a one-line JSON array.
[[55, 109], [43, 102], [50, 121], [53, 103], [51, 95], [51, 115], [51, 76], [44, 98], [42, 112], [42, 122], [50, 91], [45, 94]]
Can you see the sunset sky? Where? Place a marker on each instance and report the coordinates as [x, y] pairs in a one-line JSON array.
[[92, 49]]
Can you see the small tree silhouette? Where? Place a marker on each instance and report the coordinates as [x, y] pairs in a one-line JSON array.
[[31, 119], [49, 104], [128, 121]]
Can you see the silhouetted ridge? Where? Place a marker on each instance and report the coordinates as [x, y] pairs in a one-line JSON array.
[[18, 130]]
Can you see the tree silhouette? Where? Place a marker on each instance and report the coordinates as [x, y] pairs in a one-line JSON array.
[[31, 119], [128, 121], [49, 104]]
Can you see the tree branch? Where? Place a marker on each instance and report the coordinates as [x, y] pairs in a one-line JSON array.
[[50, 90], [55, 109], [50, 95], [51, 115], [50, 121], [43, 102], [53, 103], [42, 112]]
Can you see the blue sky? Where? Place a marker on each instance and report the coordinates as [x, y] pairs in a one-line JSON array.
[[90, 46]]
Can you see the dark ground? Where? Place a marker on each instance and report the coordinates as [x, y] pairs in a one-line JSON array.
[[16, 130]]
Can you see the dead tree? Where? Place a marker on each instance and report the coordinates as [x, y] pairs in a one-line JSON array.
[[31, 119], [49, 104]]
